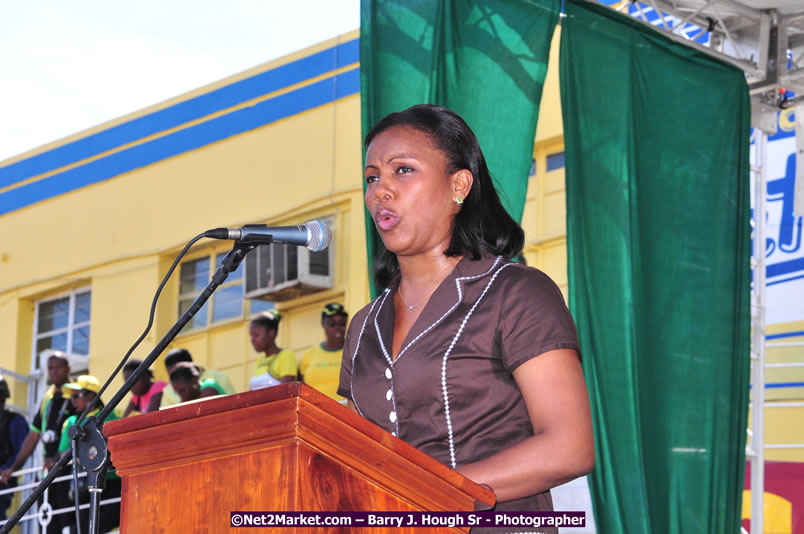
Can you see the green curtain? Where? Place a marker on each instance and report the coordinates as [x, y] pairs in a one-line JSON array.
[[657, 139], [484, 60]]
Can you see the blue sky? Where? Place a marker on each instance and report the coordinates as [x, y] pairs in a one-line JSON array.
[[66, 66]]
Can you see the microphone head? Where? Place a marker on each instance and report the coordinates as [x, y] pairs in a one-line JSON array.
[[320, 235]]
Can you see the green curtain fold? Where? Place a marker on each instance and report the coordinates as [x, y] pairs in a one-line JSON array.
[[487, 61], [657, 169]]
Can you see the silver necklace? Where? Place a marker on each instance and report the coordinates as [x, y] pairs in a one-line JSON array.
[[411, 306]]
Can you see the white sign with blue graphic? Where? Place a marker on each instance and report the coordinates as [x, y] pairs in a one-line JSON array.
[[783, 247]]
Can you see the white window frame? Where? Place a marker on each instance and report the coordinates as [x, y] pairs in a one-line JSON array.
[[245, 307], [71, 325]]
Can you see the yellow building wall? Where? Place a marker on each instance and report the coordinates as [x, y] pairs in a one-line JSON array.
[[783, 417], [119, 236], [544, 218]]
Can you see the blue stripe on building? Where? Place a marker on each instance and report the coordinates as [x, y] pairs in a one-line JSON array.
[[785, 334], [191, 138], [779, 385], [183, 112], [774, 385]]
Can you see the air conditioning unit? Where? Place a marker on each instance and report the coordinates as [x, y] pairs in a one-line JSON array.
[[283, 272]]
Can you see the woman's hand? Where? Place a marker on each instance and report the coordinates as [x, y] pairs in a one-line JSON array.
[[562, 447]]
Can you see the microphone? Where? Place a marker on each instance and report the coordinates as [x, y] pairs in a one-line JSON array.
[[314, 235]]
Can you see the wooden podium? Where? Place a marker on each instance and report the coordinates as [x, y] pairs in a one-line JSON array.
[[285, 448]]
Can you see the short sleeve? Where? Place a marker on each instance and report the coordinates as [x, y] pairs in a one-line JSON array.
[[18, 430], [212, 383], [286, 364], [36, 425], [534, 318], [349, 346], [305, 361], [64, 441], [169, 397], [220, 377]]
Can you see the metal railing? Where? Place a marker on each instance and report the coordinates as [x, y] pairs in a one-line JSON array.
[[42, 514]]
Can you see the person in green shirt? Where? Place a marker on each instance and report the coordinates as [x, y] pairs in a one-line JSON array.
[[188, 384], [177, 355], [82, 392]]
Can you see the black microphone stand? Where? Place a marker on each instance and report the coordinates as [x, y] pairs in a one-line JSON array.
[[93, 454]]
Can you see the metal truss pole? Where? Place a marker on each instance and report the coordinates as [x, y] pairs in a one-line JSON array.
[[757, 449]]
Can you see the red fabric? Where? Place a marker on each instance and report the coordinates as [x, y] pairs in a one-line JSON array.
[[144, 400], [785, 479]]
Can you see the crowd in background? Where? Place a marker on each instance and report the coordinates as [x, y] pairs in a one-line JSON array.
[[66, 398]]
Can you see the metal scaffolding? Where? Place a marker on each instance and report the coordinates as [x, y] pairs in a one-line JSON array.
[[755, 450], [764, 38]]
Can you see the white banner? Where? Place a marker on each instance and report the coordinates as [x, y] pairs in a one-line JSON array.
[[783, 246]]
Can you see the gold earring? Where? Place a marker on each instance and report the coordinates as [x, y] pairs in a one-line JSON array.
[[459, 200]]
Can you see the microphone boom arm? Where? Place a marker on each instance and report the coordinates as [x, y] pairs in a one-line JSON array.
[[86, 440]]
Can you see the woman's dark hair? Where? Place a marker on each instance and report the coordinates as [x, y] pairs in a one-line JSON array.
[[268, 320], [177, 355], [132, 366], [185, 371], [482, 226]]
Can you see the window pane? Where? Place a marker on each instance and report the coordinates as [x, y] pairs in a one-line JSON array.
[[319, 262], [555, 161], [279, 264], [293, 262], [532, 171], [57, 342], [200, 319], [53, 315], [238, 273], [257, 306], [194, 276], [228, 303], [82, 305], [81, 340]]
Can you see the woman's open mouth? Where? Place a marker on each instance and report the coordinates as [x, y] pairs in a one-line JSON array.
[[385, 219]]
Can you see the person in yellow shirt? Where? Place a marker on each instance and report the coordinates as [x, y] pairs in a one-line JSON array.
[[320, 365], [277, 366]]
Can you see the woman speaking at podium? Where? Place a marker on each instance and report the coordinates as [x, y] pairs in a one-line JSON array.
[[471, 358]]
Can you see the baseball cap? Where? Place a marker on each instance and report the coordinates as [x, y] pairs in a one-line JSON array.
[[334, 308], [87, 382]]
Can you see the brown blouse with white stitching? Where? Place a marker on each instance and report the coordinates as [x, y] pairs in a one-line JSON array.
[[450, 392]]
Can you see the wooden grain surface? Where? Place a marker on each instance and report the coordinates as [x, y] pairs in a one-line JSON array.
[[285, 448]]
